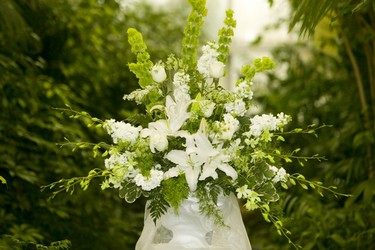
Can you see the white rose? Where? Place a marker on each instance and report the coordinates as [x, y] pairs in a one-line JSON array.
[[216, 69], [158, 73]]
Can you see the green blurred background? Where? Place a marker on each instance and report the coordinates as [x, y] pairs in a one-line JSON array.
[[57, 52]]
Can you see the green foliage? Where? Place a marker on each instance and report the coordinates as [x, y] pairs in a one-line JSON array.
[[192, 32], [157, 206], [208, 197], [12, 243], [143, 66], [310, 13], [225, 36], [175, 190], [130, 192], [333, 85], [54, 53], [259, 65]]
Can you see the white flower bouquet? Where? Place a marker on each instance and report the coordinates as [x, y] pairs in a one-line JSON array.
[[195, 137]]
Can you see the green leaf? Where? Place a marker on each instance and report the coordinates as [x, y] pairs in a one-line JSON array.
[[2, 180], [158, 205], [130, 192]]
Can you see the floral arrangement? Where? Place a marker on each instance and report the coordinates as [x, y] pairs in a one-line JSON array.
[[196, 137]]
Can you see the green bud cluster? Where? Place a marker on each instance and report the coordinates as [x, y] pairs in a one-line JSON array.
[[225, 36], [192, 32], [142, 67]]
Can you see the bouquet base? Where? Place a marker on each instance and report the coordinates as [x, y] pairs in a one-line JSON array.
[[189, 229]]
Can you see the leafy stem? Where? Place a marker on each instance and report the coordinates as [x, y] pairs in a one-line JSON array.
[[281, 230], [74, 114], [80, 145], [68, 185], [317, 185]]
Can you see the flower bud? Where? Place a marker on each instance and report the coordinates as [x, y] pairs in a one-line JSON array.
[[158, 73], [216, 69]]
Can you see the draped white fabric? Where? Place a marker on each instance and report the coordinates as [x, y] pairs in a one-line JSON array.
[[192, 230]]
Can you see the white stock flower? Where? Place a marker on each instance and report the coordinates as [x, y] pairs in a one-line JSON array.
[[158, 73], [267, 122], [243, 90], [209, 56], [225, 129], [181, 87], [237, 108]]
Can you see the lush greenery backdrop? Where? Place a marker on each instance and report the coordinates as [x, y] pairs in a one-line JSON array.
[[55, 52]]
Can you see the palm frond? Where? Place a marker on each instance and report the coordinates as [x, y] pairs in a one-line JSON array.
[[309, 13]]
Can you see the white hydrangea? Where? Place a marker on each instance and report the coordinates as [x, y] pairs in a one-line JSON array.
[[237, 107], [209, 56], [116, 160], [148, 183], [121, 131], [122, 166], [267, 122]]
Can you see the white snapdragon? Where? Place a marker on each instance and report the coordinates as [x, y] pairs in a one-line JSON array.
[[267, 122], [121, 131], [148, 183], [158, 73]]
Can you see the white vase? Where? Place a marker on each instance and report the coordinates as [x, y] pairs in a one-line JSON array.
[[189, 229]]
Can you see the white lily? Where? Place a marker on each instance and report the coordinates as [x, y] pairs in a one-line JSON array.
[[213, 158], [159, 130], [189, 163]]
